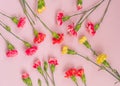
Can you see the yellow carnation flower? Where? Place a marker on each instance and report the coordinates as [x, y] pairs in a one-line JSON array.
[[83, 40], [41, 9], [64, 49], [101, 58]]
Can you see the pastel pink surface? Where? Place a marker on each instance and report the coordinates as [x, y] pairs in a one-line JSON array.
[[105, 40]]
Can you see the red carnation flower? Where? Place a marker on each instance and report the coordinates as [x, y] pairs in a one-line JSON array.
[[90, 28], [71, 30], [59, 18], [32, 50], [71, 72], [59, 39], [53, 61], [79, 6], [25, 75], [37, 63], [11, 53], [39, 38], [21, 22], [80, 72]]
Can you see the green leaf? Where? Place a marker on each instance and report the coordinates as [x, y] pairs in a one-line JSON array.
[[27, 44], [55, 35], [8, 28], [77, 27], [74, 78], [97, 26], [45, 66], [35, 32], [72, 52], [15, 20], [65, 18], [52, 68], [27, 81], [87, 44], [106, 64], [83, 79], [40, 70], [10, 46], [79, 2]]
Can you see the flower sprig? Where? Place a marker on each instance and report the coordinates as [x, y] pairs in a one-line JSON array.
[[11, 51], [20, 22], [91, 27], [41, 6], [44, 70], [30, 49], [101, 59], [57, 38], [39, 36], [73, 73], [84, 16], [26, 79], [37, 65], [61, 17], [79, 4], [67, 50]]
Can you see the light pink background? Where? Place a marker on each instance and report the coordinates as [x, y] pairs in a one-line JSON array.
[[106, 40]]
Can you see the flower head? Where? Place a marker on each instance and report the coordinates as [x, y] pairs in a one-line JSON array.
[[39, 38], [66, 50], [53, 61], [11, 53], [80, 72], [37, 63], [25, 75], [32, 50], [40, 10], [26, 79], [83, 39], [71, 29], [101, 58], [59, 18], [41, 6], [91, 28], [70, 72], [58, 38], [79, 4], [20, 22]]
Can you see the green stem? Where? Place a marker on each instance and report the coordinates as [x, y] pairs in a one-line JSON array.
[[27, 14], [117, 74], [102, 67], [45, 80], [105, 11], [76, 84], [95, 7], [94, 52], [30, 22], [39, 18], [12, 33], [39, 82], [84, 11], [49, 76], [5, 15], [53, 79], [30, 9], [4, 38]]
